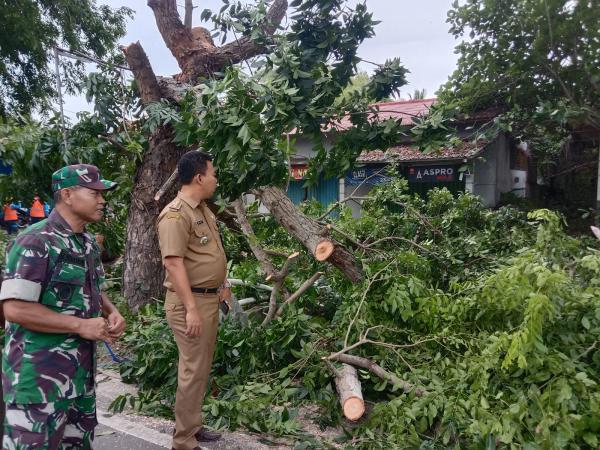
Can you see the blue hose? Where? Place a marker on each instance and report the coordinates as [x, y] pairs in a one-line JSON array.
[[113, 355]]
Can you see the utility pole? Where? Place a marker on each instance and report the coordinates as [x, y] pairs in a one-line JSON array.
[[60, 98]]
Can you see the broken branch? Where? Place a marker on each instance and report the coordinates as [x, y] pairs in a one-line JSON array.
[[376, 369], [166, 186], [265, 263], [301, 290], [348, 387], [142, 72]]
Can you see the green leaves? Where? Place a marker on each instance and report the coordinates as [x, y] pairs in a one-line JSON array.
[[30, 31], [387, 80], [504, 340], [535, 62]]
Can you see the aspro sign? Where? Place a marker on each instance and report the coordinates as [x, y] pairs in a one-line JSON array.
[[432, 174]]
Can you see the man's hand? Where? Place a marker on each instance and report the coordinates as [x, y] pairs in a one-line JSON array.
[[116, 324], [193, 323], [95, 329]]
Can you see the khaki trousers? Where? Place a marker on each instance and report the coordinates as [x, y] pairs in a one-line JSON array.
[[195, 361]]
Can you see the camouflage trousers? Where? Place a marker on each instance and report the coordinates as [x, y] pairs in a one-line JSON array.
[[66, 424]]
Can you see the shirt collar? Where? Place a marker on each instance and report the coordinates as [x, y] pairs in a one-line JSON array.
[[59, 222], [189, 200], [62, 225]]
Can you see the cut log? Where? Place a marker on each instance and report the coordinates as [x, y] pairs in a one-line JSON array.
[[376, 369], [323, 250], [348, 387], [307, 230]]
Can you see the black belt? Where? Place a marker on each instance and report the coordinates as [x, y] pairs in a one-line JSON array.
[[205, 290]]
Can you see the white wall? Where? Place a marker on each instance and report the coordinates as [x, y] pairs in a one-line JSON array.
[[491, 172]]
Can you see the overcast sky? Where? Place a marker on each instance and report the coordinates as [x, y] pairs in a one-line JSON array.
[[414, 30]]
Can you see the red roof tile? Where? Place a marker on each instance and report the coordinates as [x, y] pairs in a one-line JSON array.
[[404, 110], [407, 153], [407, 110]]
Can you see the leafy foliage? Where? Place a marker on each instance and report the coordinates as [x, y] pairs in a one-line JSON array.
[[535, 60], [36, 148], [31, 28], [244, 117], [494, 313]]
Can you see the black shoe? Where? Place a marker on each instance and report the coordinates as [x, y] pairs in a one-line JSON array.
[[205, 435]]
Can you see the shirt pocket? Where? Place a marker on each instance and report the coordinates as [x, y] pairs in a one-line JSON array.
[[202, 236], [66, 287]]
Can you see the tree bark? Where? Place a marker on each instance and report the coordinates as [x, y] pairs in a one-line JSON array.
[[308, 231], [143, 272], [349, 389], [144, 75]]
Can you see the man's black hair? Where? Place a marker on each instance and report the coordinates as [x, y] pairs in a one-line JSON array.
[[192, 164]]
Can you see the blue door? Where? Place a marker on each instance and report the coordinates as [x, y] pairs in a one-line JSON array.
[[325, 192]]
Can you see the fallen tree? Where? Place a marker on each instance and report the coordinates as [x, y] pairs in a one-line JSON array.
[[283, 95], [475, 335]]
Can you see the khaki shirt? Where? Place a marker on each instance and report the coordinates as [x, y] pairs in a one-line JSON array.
[[188, 229]]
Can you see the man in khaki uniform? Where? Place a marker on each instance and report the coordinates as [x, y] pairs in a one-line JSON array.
[[196, 268]]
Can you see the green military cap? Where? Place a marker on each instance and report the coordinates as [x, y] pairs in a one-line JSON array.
[[80, 175]]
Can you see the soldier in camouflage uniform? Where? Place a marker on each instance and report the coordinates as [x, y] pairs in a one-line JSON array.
[[56, 311]]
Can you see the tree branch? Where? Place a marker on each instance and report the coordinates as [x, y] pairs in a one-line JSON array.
[[339, 203], [301, 290], [189, 10], [244, 48], [365, 340], [143, 73], [272, 303], [265, 263], [195, 52], [178, 38], [111, 140], [376, 369]]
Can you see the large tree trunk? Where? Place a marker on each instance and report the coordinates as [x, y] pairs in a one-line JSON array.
[[309, 232], [143, 274]]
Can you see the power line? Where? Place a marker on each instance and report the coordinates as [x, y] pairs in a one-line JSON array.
[[83, 57]]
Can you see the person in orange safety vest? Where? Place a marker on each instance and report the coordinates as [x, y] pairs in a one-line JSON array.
[[10, 218], [37, 212]]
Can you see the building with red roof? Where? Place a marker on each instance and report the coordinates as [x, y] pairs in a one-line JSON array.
[[485, 168]]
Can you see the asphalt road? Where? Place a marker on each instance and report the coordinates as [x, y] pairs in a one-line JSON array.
[[109, 439]]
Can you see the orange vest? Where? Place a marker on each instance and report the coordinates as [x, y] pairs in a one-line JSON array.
[[10, 213], [37, 210]]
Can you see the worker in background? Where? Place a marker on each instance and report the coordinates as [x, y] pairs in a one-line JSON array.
[[11, 220], [36, 212]]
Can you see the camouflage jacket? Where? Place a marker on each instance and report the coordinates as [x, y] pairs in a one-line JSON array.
[[50, 264]]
